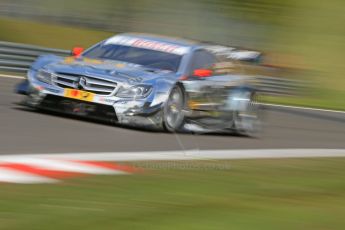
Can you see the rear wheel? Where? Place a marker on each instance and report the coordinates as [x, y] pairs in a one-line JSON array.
[[247, 121], [173, 117]]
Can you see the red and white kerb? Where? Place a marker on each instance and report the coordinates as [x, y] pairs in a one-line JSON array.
[[40, 170]]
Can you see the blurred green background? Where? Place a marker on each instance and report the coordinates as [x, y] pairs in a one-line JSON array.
[[299, 34]]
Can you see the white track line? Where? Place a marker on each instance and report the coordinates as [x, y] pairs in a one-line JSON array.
[[11, 76], [184, 155], [302, 108]]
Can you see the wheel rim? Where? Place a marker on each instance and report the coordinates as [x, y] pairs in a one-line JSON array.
[[174, 106], [248, 121]]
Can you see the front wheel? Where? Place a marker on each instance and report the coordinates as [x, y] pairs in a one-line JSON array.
[[173, 116]]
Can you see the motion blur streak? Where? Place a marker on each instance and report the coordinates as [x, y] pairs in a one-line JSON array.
[[191, 181], [296, 35]]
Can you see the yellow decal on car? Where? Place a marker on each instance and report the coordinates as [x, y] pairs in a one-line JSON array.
[[79, 94], [69, 60]]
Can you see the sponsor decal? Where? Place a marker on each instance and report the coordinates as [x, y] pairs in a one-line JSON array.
[[120, 65], [78, 94], [92, 61], [148, 44], [193, 104], [69, 60], [83, 61]]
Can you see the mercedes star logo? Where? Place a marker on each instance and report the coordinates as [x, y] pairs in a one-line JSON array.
[[81, 83]]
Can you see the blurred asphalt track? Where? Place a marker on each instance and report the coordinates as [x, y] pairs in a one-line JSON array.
[[24, 131]]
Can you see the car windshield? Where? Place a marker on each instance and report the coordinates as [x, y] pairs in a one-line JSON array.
[[145, 57]]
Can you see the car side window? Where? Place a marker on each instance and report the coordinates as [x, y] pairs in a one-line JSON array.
[[202, 60]]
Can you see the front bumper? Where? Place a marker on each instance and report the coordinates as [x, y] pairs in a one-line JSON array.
[[76, 107], [138, 113]]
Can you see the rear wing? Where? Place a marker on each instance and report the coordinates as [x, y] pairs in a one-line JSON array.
[[226, 53]]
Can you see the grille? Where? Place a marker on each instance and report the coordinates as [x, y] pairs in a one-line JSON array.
[[91, 84]]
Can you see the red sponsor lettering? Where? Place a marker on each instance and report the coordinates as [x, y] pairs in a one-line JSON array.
[[154, 45]]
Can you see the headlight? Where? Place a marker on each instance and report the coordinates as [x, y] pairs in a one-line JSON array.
[[44, 76], [138, 91]]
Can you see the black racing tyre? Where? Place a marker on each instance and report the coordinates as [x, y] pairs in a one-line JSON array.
[[173, 116], [248, 121]]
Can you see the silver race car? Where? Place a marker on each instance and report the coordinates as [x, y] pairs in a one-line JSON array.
[[149, 81]]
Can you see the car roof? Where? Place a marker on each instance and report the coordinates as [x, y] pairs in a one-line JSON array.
[[167, 39]]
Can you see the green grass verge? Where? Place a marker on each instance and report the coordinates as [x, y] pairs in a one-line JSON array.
[[332, 99], [247, 194]]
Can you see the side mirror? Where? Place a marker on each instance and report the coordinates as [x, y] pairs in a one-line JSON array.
[[202, 73], [76, 51]]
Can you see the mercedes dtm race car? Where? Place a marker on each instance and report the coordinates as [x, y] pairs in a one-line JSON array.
[[149, 81]]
